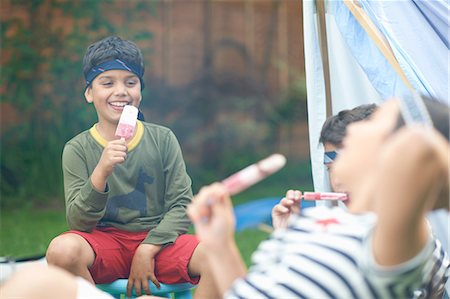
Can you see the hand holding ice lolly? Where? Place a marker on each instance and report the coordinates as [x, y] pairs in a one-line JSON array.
[[127, 122]]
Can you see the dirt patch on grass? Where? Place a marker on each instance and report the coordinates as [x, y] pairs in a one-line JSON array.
[[50, 204]]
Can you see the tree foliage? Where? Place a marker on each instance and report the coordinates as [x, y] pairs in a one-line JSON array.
[[224, 121], [41, 83]]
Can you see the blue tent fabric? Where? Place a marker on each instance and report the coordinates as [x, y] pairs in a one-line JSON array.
[[251, 214], [363, 48], [417, 32]]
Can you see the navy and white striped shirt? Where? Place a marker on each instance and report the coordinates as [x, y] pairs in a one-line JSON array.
[[327, 254]]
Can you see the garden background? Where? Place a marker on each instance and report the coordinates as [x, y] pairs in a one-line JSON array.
[[227, 76]]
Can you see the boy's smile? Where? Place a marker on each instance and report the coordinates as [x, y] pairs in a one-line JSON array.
[[110, 92]]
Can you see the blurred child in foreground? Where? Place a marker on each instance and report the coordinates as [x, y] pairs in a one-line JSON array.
[[381, 248]]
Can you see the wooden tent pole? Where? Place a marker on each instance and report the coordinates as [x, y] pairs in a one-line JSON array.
[[380, 41], [323, 44]]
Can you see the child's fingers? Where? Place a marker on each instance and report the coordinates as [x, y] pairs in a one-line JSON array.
[[297, 195], [290, 194], [296, 209], [206, 199], [286, 202], [280, 209], [294, 195]]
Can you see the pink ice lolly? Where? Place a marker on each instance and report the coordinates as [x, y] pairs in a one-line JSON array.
[[127, 122], [254, 173], [243, 179], [324, 196]]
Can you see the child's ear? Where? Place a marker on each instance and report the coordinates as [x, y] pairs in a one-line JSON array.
[[88, 94]]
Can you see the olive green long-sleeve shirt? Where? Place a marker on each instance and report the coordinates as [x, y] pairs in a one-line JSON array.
[[148, 192]]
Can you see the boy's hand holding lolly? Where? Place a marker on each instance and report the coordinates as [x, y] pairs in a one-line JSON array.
[[115, 152], [288, 205], [291, 204]]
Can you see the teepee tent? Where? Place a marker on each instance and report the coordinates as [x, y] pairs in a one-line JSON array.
[[366, 51]]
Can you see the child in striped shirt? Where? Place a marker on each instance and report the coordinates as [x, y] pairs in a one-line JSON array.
[[381, 248]]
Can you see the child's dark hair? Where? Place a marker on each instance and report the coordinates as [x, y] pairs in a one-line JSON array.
[[109, 48], [334, 129]]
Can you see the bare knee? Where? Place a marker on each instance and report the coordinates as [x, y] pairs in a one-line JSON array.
[[69, 251], [197, 264]]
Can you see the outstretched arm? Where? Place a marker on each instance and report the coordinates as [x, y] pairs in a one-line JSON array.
[[411, 179], [212, 214]]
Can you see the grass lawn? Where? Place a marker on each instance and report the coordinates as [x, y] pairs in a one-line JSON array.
[[27, 231]]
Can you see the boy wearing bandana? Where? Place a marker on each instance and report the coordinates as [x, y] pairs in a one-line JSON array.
[[126, 199], [333, 133]]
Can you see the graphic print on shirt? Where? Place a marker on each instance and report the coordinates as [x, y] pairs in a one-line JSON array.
[[135, 200], [326, 222]]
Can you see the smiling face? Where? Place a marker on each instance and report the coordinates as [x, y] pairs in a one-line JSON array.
[[362, 144], [110, 92]]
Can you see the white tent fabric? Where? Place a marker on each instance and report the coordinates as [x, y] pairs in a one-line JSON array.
[[417, 34], [349, 84]]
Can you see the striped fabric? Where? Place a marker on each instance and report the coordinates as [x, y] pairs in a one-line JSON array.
[[326, 254]]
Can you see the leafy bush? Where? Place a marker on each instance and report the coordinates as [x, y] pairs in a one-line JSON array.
[[42, 89]]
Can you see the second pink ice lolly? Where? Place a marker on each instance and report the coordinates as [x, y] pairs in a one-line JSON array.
[[127, 122], [324, 196], [254, 173]]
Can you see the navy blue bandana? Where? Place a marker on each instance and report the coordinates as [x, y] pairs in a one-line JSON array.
[[328, 157], [115, 64]]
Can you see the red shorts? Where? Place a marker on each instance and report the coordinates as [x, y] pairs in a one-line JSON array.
[[114, 250]]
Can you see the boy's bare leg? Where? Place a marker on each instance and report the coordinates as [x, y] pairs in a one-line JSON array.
[[39, 281], [206, 288], [72, 253]]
